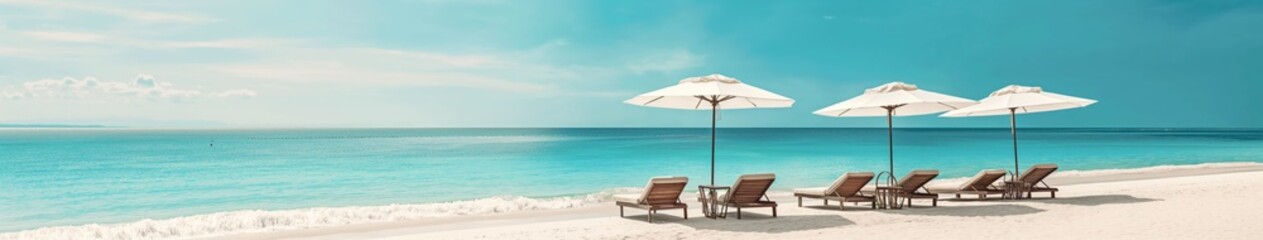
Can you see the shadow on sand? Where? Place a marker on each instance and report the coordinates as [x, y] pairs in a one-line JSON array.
[[663, 217], [968, 211], [756, 222], [849, 208], [1097, 200]]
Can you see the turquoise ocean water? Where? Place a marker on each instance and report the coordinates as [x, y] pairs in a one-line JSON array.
[[72, 177]]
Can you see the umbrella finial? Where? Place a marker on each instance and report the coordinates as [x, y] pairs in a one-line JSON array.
[[714, 77], [1015, 89]]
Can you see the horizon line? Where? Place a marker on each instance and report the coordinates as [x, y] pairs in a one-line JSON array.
[[109, 127]]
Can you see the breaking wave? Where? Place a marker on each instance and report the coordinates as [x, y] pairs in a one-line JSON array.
[[244, 221]]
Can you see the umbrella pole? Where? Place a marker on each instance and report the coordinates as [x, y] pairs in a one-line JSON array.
[[713, 111], [890, 137], [1013, 130]]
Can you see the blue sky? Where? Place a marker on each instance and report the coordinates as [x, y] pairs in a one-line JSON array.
[[488, 63]]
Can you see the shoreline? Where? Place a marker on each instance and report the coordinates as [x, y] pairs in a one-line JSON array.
[[582, 209], [598, 211]]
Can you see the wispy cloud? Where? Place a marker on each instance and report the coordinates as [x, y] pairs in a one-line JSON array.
[[231, 43], [90, 88], [667, 61], [444, 59], [518, 72], [236, 93], [521, 71], [298, 61], [294, 69], [341, 73], [115, 40], [61, 36], [381, 67], [133, 14], [63, 46]]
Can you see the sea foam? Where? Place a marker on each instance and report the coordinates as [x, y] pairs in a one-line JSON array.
[[244, 221]]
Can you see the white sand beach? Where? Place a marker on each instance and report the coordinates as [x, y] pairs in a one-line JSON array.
[[1209, 201]]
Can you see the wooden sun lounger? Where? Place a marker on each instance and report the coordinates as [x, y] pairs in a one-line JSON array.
[[1035, 176], [661, 193], [750, 191], [845, 189], [982, 185], [914, 183]]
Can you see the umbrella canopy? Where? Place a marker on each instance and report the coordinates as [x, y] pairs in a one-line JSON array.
[[907, 98], [1015, 99], [711, 92], [1020, 99], [894, 99], [697, 93]]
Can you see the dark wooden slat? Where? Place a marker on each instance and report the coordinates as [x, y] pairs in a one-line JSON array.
[[664, 193], [985, 181], [850, 186], [750, 190], [1037, 174], [911, 184]]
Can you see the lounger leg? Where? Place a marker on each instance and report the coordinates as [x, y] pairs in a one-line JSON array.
[[874, 204], [738, 212], [800, 201], [957, 196], [686, 213], [620, 211], [936, 202], [1054, 194], [826, 202], [773, 211], [650, 216]]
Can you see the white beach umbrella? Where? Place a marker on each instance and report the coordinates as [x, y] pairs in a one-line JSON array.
[[712, 92], [891, 100], [1015, 99]]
